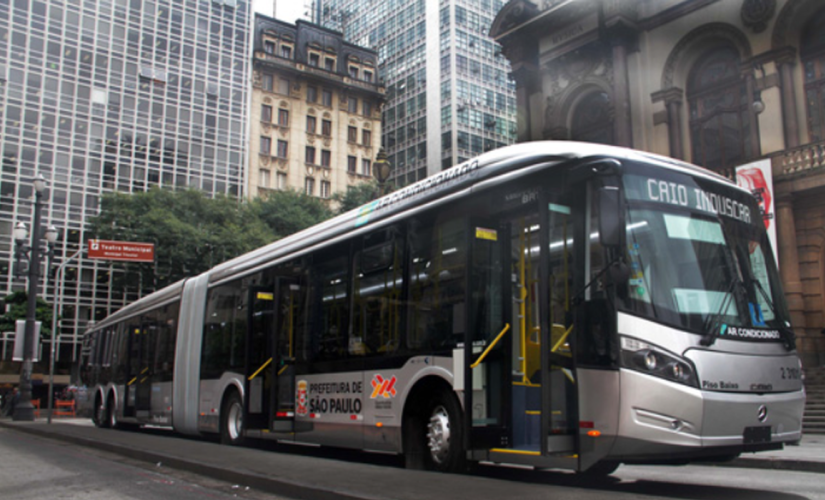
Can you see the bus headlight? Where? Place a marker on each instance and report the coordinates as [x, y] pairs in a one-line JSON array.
[[647, 358]]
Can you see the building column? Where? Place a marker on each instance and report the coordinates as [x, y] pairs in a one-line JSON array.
[[674, 128], [673, 99], [526, 84], [790, 122], [623, 123], [753, 130], [523, 55], [789, 262]]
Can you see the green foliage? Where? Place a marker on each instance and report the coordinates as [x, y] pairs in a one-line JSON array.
[[191, 231], [358, 195], [16, 307], [287, 212]]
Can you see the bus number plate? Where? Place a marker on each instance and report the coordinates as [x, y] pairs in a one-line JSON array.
[[759, 434]]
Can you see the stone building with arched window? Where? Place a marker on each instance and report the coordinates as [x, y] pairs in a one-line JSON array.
[[716, 83]]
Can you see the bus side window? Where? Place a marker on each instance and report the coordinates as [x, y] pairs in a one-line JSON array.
[[165, 354], [377, 286], [224, 342], [328, 334], [437, 259], [119, 356]]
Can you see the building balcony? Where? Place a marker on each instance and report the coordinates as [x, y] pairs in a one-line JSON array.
[[799, 161]]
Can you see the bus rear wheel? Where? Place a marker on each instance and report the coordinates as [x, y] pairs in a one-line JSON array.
[[232, 420], [443, 435], [111, 413], [100, 417]]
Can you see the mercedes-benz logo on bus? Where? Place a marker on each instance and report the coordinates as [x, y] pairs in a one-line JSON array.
[[762, 413]]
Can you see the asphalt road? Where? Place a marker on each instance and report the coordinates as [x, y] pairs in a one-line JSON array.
[[33, 467]]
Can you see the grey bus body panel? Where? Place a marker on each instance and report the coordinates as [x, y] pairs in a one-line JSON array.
[[187, 355], [734, 372], [360, 409], [210, 399]]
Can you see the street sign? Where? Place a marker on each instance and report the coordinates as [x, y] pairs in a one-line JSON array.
[[121, 250], [20, 339]]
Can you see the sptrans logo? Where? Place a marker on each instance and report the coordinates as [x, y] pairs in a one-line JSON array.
[[301, 397], [382, 387]]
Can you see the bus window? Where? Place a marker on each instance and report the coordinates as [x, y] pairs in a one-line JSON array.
[[224, 343], [377, 285], [165, 354], [119, 354], [437, 284], [327, 341]]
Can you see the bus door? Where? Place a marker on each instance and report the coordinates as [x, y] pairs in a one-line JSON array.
[[487, 362], [148, 339], [259, 357], [562, 234], [137, 397], [283, 368]]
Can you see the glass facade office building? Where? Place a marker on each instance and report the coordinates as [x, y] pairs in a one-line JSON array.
[[449, 97], [115, 95]]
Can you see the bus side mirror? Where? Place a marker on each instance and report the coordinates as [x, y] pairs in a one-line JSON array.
[[611, 217]]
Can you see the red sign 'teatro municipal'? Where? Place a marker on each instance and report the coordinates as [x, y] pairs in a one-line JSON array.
[[121, 250]]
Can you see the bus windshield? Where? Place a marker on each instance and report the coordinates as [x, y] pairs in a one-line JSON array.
[[700, 257]]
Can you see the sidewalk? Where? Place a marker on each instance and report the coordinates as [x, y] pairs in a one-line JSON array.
[[322, 476]]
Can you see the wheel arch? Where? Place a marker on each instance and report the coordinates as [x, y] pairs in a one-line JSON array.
[[417, 395]]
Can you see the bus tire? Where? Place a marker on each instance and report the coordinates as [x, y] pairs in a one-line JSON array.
[[111, 413], [99, 415], [443, 434], [232, 420]]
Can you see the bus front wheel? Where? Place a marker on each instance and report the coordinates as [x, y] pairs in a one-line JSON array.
[[232, 420], [443, 435]]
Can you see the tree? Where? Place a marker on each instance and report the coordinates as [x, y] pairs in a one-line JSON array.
[[17, 307], [287, 212], [191, 231], [358, 195]]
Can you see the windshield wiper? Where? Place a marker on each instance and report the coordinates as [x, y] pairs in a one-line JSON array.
[[712, 322], [788, 336]]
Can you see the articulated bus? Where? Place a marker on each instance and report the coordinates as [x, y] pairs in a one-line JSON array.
[[549, 304]]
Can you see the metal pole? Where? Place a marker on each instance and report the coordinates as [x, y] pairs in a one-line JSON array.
[[24, 409], [58, 300]]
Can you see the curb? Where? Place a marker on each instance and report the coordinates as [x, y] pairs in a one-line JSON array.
[[787, 464], [281, 487]]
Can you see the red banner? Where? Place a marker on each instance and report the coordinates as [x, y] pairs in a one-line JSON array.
[[121, 250]]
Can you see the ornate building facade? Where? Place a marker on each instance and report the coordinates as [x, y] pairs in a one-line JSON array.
[[316, 110], [716, 83]]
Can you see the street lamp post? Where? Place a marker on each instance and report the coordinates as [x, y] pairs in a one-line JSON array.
[[24, 410], [381, 169]]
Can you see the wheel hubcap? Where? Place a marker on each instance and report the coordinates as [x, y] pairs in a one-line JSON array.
[[438, 434], [234, 422]]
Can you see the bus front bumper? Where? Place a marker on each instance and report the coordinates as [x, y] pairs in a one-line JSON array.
[[661, 421]]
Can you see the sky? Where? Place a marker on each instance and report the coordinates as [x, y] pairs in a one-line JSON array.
[[288, 10]]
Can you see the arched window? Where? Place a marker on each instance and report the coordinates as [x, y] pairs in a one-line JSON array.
[[719, 115], [591, 119], [812, 52]]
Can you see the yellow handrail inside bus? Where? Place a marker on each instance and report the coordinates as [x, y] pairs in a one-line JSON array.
[[561, 340], [259, 370], [490, 347]]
